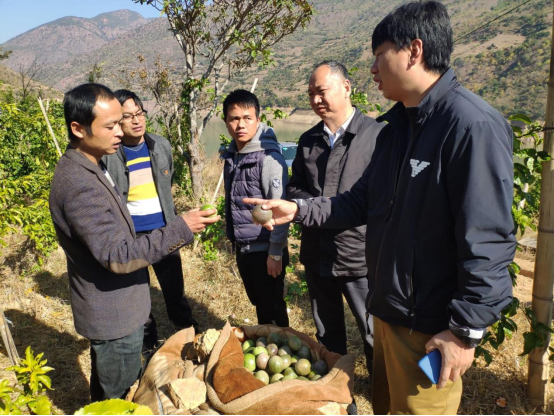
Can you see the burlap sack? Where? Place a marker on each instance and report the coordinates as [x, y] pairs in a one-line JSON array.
[[166, 365], [329, 395]]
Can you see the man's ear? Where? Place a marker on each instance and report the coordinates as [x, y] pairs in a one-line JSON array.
[[77, 130], [347, 87], [416, 51]]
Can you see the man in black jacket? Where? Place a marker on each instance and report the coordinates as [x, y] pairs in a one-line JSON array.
[[437, 199], [331, 157]]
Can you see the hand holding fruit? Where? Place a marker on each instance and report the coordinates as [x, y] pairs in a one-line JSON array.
[[197, 219], [281, 211]]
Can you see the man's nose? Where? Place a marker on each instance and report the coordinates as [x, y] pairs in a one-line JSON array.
[[118, 131], [317, 99], [373, 69], [241, 123]]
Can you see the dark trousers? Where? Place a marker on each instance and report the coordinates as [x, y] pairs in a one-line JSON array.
[[115, 365], [264, 291], [328, 310], [169, 272]]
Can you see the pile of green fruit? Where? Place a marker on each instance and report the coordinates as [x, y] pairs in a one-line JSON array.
[[276, 358]]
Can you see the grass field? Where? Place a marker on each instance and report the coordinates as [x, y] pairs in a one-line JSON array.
[[37, 303]]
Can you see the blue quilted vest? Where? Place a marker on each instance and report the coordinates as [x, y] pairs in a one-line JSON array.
[[242, 180]]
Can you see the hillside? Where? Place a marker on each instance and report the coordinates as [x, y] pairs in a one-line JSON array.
[[10, 82], [506, 62]]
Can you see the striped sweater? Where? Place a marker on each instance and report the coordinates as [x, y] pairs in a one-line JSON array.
[[143, 201]]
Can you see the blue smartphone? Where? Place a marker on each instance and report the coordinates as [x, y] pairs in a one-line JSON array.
[[431, 365]]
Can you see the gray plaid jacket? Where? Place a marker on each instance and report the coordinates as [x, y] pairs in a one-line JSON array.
[[106, 262]]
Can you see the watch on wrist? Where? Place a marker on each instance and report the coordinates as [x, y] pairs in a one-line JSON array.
[[471, 338], [274, 257]]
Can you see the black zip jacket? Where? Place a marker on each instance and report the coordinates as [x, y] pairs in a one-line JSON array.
[[319, 170], [437, 204]]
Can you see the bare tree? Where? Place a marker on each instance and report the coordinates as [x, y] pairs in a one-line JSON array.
[[221, 38], [95, 72], [28, 75], [4, 55]]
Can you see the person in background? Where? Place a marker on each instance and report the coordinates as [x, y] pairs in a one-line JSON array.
[[255, 167], [142, 169], [106, 262], [331, 158], [437, 203]]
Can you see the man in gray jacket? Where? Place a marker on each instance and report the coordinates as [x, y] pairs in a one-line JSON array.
[[254, 166], [331, 157], [106, 262], [142, 169]]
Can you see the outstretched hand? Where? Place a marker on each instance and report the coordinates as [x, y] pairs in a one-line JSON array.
[[198, 220], [283, 211]]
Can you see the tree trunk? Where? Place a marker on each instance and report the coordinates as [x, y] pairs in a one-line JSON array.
[[544, 264]]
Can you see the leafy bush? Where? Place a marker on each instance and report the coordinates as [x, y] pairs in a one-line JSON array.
[[27, 161], [31, 375]]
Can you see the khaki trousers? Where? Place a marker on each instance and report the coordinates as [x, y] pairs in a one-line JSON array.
[[399, 386]]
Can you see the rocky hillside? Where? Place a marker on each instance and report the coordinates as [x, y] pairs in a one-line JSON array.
[[506, 62]]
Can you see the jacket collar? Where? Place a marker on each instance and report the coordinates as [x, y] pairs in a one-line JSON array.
[[150, 144], [419, 113], [354, 127], [82, 160]]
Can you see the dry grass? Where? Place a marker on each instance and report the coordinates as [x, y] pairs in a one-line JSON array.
[[38, 305]]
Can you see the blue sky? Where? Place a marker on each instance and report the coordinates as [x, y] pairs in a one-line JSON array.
[[19, 16]]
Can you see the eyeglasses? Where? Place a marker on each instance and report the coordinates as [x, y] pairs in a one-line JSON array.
[[128, 118]]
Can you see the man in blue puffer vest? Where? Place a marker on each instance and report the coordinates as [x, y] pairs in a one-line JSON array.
[[255, 167]]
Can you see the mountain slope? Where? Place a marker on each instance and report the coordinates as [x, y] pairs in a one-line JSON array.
[[65, 38], [506, 62]]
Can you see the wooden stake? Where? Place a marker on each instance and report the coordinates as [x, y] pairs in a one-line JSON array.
[[49, 126], [8, 340], [544, 263]]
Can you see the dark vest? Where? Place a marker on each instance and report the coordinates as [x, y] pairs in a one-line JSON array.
[[242, 180]]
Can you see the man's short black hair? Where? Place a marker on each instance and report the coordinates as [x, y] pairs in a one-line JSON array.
[[335, 67], [78, 105], [124, 95], [426, 20], [242, 98]]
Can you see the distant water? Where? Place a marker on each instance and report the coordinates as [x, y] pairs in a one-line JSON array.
[[285, 131]]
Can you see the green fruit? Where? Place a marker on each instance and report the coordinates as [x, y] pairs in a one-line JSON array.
[[294, 343], [311, 375], [261, 342], [302, 367], [260, 215], [258, 350], [275, 378], [289, 377], [262, 360], [304, 352], [275, 338], [302, 378], [285, 350], [247, 344], [320, 367], [315, 378], [275, 364], [272, 349], [250, 362], [294, 359], [287, 360], [262, 376], [206, 207], [288, 371]]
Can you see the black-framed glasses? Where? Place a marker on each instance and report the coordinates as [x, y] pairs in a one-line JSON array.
[[127, 118]]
